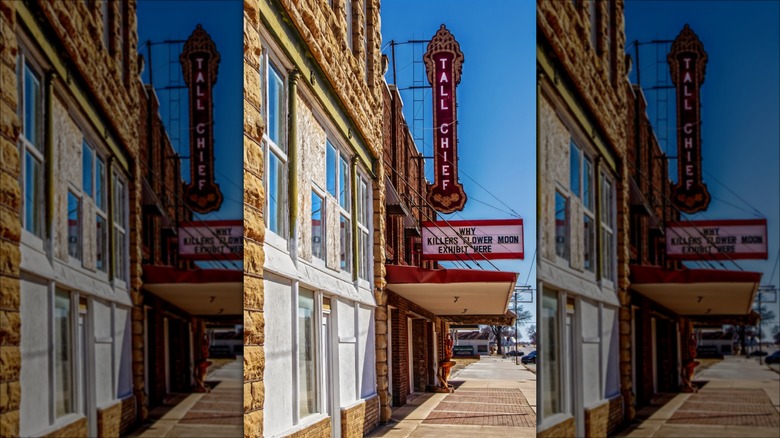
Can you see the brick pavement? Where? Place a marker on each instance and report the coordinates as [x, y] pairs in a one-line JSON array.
[[484, 407], [728, 407]]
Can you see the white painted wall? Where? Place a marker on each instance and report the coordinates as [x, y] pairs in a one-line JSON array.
[[278, 414], [123, 353], [367, 352], [35, 407], [589, 319], [347, 350], [103, 351]]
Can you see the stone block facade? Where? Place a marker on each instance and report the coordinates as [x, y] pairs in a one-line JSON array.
[[76, 429], [254, 234], [10, 227], [109, 420]]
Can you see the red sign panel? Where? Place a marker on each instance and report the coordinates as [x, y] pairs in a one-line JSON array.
[[443, 62], [211, 240], [687, 61], [717, 240], [199, 61], [473, 240]]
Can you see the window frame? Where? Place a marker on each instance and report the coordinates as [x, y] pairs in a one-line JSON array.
[[28, 61], [364, 238], [278, 236], [121, 264], [607, 199]]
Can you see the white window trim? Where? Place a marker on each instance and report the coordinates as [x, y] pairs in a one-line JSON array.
[[269, 57]]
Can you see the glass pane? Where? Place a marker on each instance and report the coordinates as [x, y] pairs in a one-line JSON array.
[[345, 234], [120, 257], [574, 169], [74, 226], [331, 170], [307, 377], [317, 224], [33, 195], [86, 169], [276, 108], [561, 226], [119, 202], [587, 184], [364, 199], [276, 192], [32, 108], [550, 362], [589, 236], [63, 355], [344, 194], [101, 244], [100, 182], [364, 259]]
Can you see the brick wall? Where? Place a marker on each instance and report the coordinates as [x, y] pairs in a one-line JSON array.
[[10, 227], [76, 429], [128, 416], [400, 366], [596, 420], [564, 429], [360, 419], [320, 429], [615, 418], [254, 228], [421, 350], [109, 420]]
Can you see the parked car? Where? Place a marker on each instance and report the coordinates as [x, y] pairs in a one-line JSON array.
[[529, 358], [514, 353], [773, 358]]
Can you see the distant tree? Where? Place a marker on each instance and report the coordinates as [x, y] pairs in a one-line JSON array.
[[532, 334], [776, 334], [500, 333]]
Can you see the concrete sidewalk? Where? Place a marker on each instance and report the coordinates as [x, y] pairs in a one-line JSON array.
[[494, 398], [218, 413], [739, 398]]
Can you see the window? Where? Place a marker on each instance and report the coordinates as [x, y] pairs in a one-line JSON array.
[[307, 357], [561, 226], [317, 226], [331, 171], [589, 232], [74, 225], [63, 355], [101, 217], [550, 364], [121, 251], [32, 149], [275, 146], [364, 241], [345, 219], [607, 229], [574, 168]]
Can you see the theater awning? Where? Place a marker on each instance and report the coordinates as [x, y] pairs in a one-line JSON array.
[[698, 292], [200, 292], [461, 296]]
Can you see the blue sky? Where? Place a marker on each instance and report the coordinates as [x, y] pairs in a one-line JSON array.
[[496, 105], [160, 21], [740, 100]]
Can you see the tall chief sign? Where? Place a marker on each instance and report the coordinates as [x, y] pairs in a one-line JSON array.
[[443, 62], [687, 62], [199, 61]]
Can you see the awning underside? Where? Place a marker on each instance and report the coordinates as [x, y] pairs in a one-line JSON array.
[[697, 292], [458, 295], [200, 292]]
